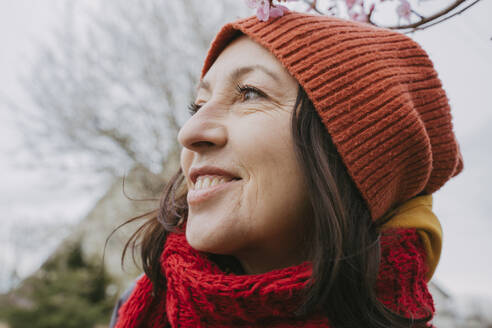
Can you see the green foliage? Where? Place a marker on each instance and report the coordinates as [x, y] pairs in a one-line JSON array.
[[75, 258], [67, 292]]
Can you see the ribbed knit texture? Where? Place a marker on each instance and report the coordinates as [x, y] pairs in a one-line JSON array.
[[199, 294], [377, 93]]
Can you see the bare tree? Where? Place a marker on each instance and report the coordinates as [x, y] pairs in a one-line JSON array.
[[112, 93]]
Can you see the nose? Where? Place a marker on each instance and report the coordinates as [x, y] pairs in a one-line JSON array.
[[202, 132]]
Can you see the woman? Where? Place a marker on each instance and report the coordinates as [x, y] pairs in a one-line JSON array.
[[304, 196]]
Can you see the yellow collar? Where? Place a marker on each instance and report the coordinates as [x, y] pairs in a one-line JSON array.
[[417, 213]]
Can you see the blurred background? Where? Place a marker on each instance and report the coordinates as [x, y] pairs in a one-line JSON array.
[[92, 92]]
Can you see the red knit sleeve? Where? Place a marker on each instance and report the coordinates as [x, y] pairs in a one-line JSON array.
[[401, 284]]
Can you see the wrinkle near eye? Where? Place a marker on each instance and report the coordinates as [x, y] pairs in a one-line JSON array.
[[229, 97]]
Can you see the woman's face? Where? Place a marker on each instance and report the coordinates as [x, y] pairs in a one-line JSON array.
[[259, 210]]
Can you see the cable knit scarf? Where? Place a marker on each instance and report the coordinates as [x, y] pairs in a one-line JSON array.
[[200, 294]]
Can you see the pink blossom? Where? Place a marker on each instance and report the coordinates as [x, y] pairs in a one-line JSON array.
[[265, 10], [404, 10], [350, 3], [262, 8], [359, 17], [278, 10]]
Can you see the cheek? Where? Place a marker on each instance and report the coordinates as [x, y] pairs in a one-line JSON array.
[[186, 158], [276, 187]]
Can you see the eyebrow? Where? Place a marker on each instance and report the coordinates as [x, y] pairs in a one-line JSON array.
[[239, 72]]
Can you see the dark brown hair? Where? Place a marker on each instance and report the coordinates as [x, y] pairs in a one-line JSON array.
[[343, 242]]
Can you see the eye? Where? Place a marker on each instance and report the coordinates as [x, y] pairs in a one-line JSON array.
[[193, 108], [245, 90]]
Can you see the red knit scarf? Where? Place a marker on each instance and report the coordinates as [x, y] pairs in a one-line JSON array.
[[200, 294]]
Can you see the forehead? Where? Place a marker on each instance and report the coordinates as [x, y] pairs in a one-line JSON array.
[[241, 57]]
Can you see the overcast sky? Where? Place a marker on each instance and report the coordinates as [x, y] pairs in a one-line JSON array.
[[461, 50]]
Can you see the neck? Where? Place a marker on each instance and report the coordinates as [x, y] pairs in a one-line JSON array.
[[261, 261]]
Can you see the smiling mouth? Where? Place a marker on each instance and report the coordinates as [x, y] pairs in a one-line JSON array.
[[208, 181], [206, 188]]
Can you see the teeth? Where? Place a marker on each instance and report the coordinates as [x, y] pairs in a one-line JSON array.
[[210, 181], [198, 184], [215, 181]]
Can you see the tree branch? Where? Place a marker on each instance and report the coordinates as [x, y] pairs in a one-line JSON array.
[[424, 20], [422, 23]]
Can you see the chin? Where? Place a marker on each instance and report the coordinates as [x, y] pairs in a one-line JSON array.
[[199, 240], [209, 243]]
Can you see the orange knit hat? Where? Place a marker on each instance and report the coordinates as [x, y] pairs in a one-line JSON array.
[[377, 93]]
